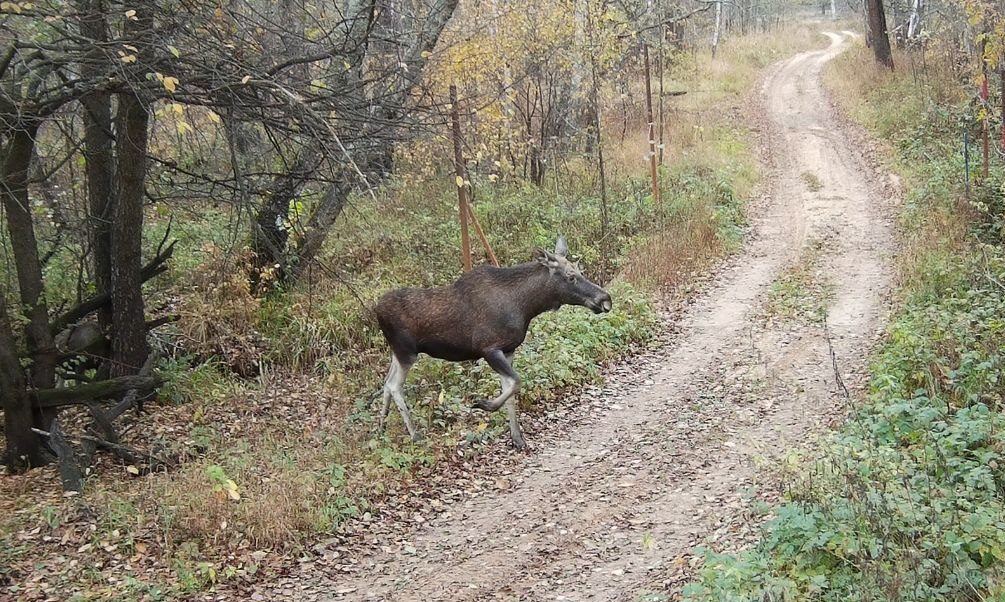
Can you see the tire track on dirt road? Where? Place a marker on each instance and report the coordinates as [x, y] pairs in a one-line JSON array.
[[614, 504]]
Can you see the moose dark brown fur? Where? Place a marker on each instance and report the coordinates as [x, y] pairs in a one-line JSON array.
[[483, 315]]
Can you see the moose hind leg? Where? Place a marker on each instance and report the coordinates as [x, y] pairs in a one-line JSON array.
[[510, 380], [386, 394], [395, 385]]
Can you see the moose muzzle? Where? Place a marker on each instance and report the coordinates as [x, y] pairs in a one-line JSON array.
[[601, 304]]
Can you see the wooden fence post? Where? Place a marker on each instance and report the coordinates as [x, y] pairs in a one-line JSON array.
[[985, 126], [481, 236], [460, 180], [652, 129]]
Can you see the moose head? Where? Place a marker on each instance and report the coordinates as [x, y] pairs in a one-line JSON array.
[[567, 283]]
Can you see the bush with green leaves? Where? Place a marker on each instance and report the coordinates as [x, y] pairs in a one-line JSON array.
[[906, 502]]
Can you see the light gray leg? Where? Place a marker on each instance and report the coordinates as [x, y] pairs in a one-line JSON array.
[[386, 392], [510, 380], [514, 421], [395, 384], [514, 424]]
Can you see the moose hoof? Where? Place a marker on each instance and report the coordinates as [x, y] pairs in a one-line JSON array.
[[484, 405]]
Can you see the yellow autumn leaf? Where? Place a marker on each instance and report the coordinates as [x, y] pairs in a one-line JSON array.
[[131, 14], [128, 58], [170, 84], [183, 127], [245, 79], [231, 488], [213, 117], [132, 469], [459, 181]]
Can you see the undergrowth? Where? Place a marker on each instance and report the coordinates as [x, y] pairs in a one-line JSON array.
[[906, 501]]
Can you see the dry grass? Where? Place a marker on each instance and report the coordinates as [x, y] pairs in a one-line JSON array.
[[674, 254], [812, 181]]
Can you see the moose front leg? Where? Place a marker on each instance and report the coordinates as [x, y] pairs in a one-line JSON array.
[[515, 432], [503, 366]]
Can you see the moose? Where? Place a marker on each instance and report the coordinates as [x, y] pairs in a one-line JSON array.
[[483, 315]]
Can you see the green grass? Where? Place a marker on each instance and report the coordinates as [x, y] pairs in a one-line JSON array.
[[905, 502], [799, 294], [812, 181]]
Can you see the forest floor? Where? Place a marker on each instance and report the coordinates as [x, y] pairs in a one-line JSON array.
[[680, 448]]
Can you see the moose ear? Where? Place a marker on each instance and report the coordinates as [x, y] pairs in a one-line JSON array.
[[546, 259], [561, 247]]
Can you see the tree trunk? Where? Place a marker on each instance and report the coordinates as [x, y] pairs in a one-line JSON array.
[[1001, 99], [866, 24], [24, 449], [652, 129], [718, 26], [536, 165], [878, 34], [97, 117], [41, 347], [129, 345], [598, 129], [914, 22], [320, 224], [270, 236]]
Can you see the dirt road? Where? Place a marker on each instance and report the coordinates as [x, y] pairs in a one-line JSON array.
[[610, 507]]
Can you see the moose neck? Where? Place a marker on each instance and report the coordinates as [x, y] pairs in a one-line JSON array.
[[532, 290]]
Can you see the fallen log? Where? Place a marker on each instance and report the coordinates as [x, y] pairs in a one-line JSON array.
[[83, 394], [61, 445], [70, 474], [132, 395]]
